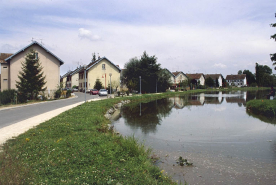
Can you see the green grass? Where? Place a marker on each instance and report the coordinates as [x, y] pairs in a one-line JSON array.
[[76, 147], [263, 107]]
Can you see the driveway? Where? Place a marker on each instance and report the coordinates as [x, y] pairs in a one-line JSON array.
[[13, 115]]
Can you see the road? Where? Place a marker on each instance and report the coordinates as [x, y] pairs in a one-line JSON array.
[[17, 114]]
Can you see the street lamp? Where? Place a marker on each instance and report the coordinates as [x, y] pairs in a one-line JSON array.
[[85, 83], [140, 84], [110, 74]]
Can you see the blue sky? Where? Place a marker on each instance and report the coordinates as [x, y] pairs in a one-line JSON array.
[[206, 36]]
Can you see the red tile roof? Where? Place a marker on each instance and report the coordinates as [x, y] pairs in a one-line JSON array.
[[3, 56], [195, 76]]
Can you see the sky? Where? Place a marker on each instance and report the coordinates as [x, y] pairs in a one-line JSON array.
[[199, 36]]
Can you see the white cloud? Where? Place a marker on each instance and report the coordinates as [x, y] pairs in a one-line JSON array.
[[87, 34], [220, 65]]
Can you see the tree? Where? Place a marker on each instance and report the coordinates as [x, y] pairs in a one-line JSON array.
[[98, 84], [150, 72], [31, 78], [115, 84], [261, 70], [209, 82], [250, 78], [273, 56], [239, 72]]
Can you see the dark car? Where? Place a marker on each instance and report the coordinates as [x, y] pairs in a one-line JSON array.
[[94, 91]]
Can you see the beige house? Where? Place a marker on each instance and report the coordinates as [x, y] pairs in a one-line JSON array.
[[179, 76], [11, 66], [66, 79], [4, 71], [102, 69]]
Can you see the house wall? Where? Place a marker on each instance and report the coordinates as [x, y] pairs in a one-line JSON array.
[[202, 80], [180, 77], [75, 79], [64, 81], [96, 72], [220, 81], [5, 76], [51, 67]]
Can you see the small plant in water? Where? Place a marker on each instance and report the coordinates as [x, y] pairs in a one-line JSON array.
[[183, 162]]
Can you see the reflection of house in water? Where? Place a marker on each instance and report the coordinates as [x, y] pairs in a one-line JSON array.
[[237, 99], [214, 99], [197, 100], [178, 102]]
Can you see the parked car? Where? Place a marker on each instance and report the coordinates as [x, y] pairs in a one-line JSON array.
[[75, 90], [94, 91], [102, 92]]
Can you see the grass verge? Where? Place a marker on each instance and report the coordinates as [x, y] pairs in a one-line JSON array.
[[263, 107], [76, 147]]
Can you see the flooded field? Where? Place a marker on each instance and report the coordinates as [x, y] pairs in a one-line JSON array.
[[213, 131]]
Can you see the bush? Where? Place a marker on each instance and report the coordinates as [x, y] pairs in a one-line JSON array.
[[68, 93], [127, 92], [7, 96], [118, 93], [57, 94]]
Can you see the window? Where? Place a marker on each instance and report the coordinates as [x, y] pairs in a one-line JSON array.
[[103, 66], [36, 55], [5, 79], [5, 67]]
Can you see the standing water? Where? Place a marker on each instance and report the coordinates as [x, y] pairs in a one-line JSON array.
[[213, 131]]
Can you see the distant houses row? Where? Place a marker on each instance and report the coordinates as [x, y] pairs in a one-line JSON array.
[[199, 78], [101, 68]]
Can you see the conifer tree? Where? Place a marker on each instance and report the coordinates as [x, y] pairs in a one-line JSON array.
[[98, 84], [31, 78]]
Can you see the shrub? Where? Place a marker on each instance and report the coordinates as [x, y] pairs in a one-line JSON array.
[[127, 92], [57, 94], [7, 96], [68, 93]]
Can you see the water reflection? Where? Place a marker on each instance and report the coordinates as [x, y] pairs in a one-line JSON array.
[[147, 115], [212, 129]]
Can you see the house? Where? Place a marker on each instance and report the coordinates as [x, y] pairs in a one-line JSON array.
[[11, 66], [171, 75], [65, 79], [102, 69], [4, 70], [215, 77], [198, 77], [179, 77], [236, 80]]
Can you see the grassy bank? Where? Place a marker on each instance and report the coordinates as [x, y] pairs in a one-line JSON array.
[[263, 107], [76, 147]]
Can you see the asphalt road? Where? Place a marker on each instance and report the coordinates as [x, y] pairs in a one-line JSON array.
[[14, 115]]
